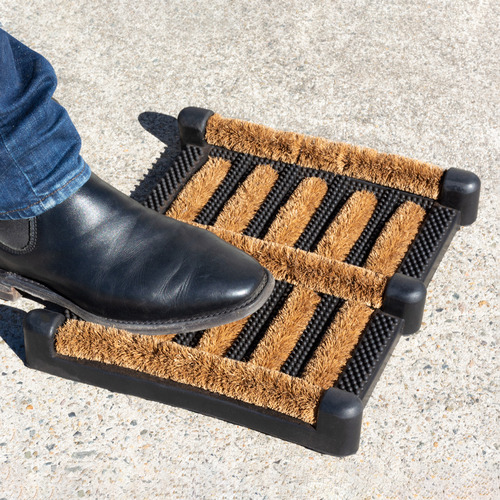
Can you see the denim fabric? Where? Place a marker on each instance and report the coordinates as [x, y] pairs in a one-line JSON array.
[[40, 163]]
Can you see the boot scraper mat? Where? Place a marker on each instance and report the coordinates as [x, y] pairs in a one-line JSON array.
[[352, 237]]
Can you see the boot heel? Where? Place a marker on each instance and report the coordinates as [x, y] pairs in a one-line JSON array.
[[8, 292]]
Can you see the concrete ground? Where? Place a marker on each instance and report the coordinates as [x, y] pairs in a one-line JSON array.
[[415, 78]]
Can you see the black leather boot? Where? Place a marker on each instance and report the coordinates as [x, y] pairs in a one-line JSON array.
[[112, 261]]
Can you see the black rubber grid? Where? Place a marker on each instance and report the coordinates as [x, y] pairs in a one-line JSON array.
[[438, 222], [369, 353], [382, 328], [259, 322], [172, 182], [340, 188]]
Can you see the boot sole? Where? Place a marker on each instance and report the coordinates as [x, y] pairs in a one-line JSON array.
[[12, 286]]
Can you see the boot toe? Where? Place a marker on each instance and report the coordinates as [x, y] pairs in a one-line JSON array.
[[217, 284], [233, 283]]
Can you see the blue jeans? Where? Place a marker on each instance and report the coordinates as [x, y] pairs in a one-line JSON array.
[[40, 162]]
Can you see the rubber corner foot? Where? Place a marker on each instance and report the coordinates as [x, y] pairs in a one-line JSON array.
[[339, 419], [40, 327], [405, 298], [192, 125], [460, 190]]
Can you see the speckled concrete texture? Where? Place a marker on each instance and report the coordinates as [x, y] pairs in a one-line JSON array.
[[415, 78]]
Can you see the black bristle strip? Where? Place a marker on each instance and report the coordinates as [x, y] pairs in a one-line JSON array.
[[279, 166], [377, 190], [281, 191], [258, 323], [344, 187], [323, 316], [264, 323], [330, 205], [386, 206], [351, 184], [270, 211], [226, 154], [241, 166], [71, 315], [169, 185], [365, 359], [435, 227], [189, 339]]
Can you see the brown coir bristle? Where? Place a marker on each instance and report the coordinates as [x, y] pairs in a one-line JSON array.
[[296, 213], [242, 206], [395, 239], [347, 226], [286, 329], [246, 382], [362, 163], [247, 137], [336, 346], [219, 339], [389, 170], [311, 270], [199, 189]]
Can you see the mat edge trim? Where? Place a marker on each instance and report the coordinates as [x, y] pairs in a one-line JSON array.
[[337, 430]]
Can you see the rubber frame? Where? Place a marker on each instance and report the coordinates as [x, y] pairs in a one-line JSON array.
[[340, 412]]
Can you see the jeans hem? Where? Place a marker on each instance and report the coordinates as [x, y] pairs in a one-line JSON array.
[[52, 199]]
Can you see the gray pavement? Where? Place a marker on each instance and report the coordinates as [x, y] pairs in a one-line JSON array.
[[415, 78]]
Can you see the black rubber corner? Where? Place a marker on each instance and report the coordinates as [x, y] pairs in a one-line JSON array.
[[192, 125], [460, 190], [40, 327], [339, 416], [405, 298]]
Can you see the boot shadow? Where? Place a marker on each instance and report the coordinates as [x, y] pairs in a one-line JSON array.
[[11, 329], [11, 324], [164, 128]]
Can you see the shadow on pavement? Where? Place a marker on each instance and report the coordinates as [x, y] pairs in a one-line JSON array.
[[11, 329]]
